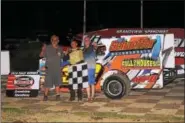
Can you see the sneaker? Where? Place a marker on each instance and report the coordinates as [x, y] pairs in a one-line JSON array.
[[57, 97], [45, 98]]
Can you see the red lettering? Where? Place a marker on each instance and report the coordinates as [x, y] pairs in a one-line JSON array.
[[113, 46], [141, 79]]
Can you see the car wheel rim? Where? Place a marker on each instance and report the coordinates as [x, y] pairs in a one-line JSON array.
[[114, 88]]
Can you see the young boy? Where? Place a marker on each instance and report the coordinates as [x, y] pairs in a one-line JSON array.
[[75, 57]]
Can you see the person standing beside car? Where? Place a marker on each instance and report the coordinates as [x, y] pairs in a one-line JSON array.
[[53, 54], [75, 57], [90, 58]]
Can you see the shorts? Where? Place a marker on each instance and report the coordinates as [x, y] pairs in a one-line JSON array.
[[91, 76], [52, 79]]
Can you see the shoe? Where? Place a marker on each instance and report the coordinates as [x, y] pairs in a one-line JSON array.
[[71, 99], [57, 97], [79, 100], [45, 98]]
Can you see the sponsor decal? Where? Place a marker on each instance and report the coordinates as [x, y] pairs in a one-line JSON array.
[[140, 63], [141, 79], [24, 81], [140, 45], [65, 75]]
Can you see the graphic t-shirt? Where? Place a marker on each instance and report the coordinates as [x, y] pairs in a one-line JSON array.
[[76, 56]]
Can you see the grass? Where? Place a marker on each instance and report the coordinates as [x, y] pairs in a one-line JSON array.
[[12, 114], [101, 115], [13, 110]]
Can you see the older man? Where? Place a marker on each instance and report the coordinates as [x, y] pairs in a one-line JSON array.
[[53, 54]]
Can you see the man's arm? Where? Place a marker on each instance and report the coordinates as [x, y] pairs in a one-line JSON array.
[[43, 51], [62, 52]]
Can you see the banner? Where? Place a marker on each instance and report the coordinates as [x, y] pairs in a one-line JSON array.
[[23, 84]]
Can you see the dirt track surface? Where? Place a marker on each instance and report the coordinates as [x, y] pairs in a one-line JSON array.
[[165, 105]]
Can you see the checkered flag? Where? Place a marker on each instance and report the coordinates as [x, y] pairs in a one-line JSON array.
[[78, 76]]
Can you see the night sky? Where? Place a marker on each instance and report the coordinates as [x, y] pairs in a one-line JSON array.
[[25, 18]]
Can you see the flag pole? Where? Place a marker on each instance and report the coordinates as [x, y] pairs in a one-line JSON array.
[[141, 14], [84, 20]]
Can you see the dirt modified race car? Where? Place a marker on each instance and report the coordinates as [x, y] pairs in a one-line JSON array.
[[128, 61], [169, 73]]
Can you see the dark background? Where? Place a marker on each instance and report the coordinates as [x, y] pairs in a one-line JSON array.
[[27, 19]]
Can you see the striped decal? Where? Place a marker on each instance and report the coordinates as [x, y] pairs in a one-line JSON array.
[[181, 44], [132, 73]]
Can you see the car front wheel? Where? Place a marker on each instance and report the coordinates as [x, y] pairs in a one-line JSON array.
[[116, 86]]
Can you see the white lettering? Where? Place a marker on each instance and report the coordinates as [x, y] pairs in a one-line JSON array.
[[155, 31], [22, 95], [179, 54], [17, 91], [24, 73], [148, 31], [130, 31], [32, 73]]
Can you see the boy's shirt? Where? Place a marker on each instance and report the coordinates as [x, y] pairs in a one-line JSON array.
[[76, 56]]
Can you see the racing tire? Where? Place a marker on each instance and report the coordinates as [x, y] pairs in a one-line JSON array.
[[116, 86]]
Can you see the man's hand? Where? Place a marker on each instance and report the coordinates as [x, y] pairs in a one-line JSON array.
[[94, 45], [65, 52], [43, 68]]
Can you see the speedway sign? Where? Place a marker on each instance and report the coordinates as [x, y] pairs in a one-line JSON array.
[[23, 84]]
